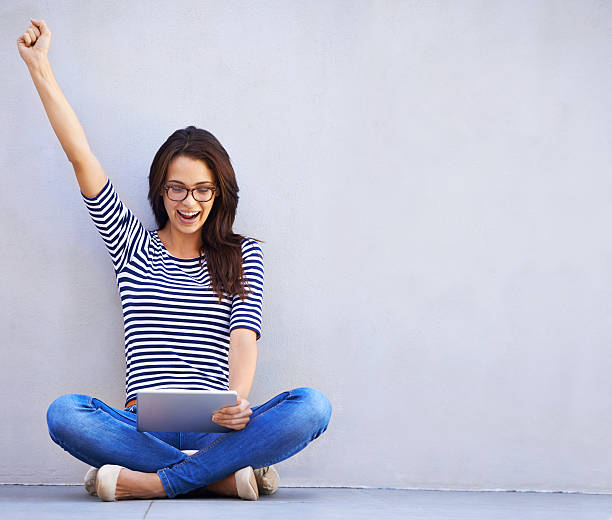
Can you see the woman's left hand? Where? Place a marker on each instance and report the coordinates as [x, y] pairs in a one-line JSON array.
[[235, 417]]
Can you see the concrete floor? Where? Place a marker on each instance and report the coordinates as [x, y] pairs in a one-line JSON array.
[[72, 502]]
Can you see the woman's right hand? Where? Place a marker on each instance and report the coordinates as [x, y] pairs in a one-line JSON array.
[[33, 44]]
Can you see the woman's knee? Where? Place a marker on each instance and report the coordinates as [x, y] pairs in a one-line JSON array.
[[60, 413], [316, 405]]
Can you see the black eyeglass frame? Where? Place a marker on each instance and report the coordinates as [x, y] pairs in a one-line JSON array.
[[212, 189]]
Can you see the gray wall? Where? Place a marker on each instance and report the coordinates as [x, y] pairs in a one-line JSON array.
[[432, 180]]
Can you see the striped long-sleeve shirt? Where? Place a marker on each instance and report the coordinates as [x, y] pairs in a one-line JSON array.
[[177, 334]]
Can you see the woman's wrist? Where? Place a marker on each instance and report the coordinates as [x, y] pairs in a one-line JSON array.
[[240, 395], [40, 67]]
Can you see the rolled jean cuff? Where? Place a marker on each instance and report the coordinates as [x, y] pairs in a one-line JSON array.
[[166, 483]]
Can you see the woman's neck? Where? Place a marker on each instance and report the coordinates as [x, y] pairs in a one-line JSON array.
[[181, 245]]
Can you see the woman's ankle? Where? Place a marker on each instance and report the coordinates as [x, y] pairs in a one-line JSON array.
[[226, 486]]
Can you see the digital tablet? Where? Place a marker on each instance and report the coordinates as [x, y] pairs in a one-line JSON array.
[[170, 410]]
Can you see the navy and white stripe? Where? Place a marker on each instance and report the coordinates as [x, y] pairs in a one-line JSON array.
[[176, 331]]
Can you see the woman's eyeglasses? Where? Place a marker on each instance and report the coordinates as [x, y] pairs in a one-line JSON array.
[[178, 193]]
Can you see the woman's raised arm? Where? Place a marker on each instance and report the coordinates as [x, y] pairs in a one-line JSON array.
[[33, 47]]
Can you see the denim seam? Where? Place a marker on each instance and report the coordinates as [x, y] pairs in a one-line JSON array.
[[170, 487], [214, 443], [221, 438]]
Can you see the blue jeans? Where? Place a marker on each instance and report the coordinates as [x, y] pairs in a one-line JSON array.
[[99, 434]]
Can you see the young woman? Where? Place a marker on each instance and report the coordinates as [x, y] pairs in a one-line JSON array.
[[191, 294]]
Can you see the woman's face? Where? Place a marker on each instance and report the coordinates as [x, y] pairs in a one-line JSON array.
[[186, 172]]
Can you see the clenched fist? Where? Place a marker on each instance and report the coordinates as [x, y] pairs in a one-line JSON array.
[[33, 44]]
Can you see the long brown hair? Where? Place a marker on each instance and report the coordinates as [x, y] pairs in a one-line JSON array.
[[221, 246]]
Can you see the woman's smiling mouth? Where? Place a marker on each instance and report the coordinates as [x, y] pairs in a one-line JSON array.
[[188, 217]]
